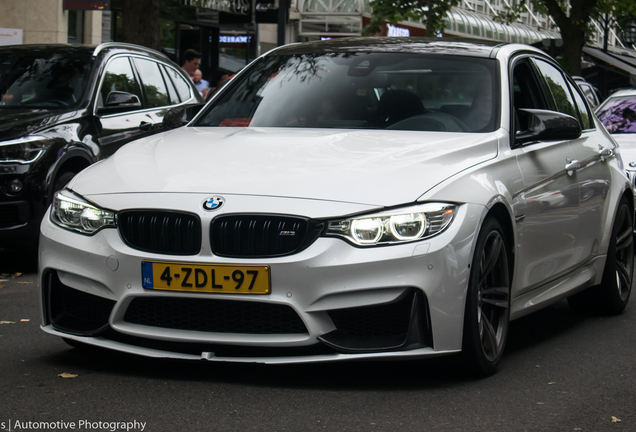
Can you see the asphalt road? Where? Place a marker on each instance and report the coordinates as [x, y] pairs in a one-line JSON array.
[[560, 372]]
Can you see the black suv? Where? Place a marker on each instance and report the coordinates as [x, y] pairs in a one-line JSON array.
[[65, 107]]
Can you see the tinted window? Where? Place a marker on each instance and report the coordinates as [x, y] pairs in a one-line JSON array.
[[619, 114], [183, 88], [362, 90], [172, 92], [41, 78], [557, 88], [584, 116], [588, 91], [526, 93], [152, 81], [118, 77]]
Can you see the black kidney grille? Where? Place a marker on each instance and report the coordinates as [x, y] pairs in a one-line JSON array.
[[261, 235], [213, 315], [162, 232]]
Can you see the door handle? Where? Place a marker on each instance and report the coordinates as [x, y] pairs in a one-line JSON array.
[[572, 166], [604, 152], [145, 126]]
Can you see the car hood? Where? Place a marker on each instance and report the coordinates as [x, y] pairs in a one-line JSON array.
[[627, 148], [16, 123], [368, 167]]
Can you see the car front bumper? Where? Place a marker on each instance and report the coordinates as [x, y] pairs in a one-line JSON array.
[[335, 289]]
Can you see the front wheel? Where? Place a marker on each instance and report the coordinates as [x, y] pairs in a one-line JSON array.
[[488, 301]]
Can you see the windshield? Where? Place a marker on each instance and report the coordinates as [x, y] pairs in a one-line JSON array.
[[362, 90], [40, 78], [619, 114]]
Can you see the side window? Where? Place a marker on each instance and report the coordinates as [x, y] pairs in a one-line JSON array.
[[183, 88], [172, 92], [525, 93], [584, 115], [557, 88], [118, 77], [588, 91], [152, 81]]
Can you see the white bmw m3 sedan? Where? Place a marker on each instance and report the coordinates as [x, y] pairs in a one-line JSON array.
[[350, 199]]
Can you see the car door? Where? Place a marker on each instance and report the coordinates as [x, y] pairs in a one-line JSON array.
[[120, 122], [591, 173], [549, 227]]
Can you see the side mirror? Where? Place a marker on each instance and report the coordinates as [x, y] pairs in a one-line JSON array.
[[544, 125], [118, 101], [180, 116]]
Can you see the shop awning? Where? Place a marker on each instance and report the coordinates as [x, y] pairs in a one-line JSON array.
[[614, 62]]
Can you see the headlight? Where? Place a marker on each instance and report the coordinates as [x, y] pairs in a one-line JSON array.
[[23, 150], [394, 226], [72, 212]]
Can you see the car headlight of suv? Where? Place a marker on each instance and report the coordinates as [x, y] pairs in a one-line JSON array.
[[394, 226], [23, 150], [72, 212]]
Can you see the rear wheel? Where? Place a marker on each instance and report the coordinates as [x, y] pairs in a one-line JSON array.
[[488, 301], [613, 293]]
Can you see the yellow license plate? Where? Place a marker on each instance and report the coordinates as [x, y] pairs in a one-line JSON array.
[[205, 278]]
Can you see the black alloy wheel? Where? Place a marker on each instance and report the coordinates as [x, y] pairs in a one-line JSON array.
[[612, 295], [488, 303], [619, 266]]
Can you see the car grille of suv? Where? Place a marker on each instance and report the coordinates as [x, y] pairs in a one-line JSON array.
[[213, 315], [257, 236], [9, 216], [163, 232]]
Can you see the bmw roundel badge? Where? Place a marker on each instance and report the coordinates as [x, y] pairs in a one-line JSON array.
[[213, 203]]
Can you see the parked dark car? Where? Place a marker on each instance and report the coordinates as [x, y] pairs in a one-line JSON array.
[[65, 107], [592, 94]]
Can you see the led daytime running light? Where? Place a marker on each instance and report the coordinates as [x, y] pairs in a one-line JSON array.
[[73, 213]]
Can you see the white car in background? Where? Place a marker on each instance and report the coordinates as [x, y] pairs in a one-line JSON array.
[[371, 198], [618, 114]]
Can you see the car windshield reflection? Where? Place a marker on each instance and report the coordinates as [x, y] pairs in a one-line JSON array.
[[37, 79], [619, 115], [362, 90]]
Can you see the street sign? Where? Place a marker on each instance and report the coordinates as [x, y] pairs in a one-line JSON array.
[[10, 36]]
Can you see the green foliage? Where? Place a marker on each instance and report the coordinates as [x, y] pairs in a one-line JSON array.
[[432, 12]]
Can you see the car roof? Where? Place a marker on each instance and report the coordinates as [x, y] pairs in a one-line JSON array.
[[420, 45], [48, 48], [625, 92], [93, 50]]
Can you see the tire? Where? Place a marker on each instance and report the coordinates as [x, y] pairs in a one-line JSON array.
[[486, 319], [612, 295], [62, 180]]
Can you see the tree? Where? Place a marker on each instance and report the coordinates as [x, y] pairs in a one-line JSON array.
[[433, 12], [140, 19], [574, 19]]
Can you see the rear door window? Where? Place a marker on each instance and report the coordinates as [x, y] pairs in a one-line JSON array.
[[153, 83], [183, 88]]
